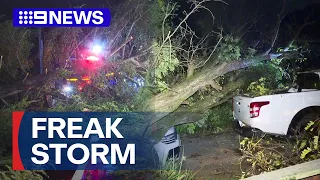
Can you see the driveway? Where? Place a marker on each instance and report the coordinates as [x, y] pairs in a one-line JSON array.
[[214, 156]]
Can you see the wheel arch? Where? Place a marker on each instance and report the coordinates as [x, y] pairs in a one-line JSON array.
[[301, 113]]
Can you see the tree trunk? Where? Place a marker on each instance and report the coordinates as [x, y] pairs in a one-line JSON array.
[[190, 70], [168, 101], [190, 114]]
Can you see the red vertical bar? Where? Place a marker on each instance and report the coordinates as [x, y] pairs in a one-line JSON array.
[[16, 159]]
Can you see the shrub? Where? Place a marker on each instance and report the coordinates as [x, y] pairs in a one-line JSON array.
[[215, 120], [268, 153], [173, 171], [5, 128], [5, 134], [220, 118], [9, 174]]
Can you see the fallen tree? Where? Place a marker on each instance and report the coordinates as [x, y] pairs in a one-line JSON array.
[[185, 114], [170, 100], [201, 72]]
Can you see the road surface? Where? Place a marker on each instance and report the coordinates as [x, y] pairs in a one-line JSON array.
[[214, 156]]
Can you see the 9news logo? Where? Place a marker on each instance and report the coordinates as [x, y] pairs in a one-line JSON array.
[[66, 17]]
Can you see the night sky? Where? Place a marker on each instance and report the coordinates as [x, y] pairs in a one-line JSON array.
[[243, 5], [6, 6], [237, 11]]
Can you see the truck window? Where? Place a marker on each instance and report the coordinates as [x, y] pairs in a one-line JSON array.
[[308, 81]]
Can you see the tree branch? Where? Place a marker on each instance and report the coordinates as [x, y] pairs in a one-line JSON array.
[[281, 15], [17, 53]]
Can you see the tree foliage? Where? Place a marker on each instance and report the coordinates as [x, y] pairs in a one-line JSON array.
[[229, 49], [166, 64], [268, 153], [16, 44], [59, 46], [155, 41], [9, 174]]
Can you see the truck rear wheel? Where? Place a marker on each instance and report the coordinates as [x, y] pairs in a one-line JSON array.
[[312, 116]]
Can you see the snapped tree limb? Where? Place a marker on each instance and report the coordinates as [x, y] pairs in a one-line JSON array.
[[168, 101], [195, 112]]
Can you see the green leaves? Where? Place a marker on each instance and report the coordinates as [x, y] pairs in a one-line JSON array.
[[229, 49], [303, 144], [316, 142], [15, 47], [166, 63], [258, 88], [22, 175], [267, 153], [305, 152], [167, 60], [59, 44], [309, 125], [216, 120]]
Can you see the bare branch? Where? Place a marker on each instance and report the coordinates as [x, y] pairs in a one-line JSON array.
[[132, 25], [131, 59], [121, 46], [198, 5], [307, 22], [214, 49], [1, 61], [4, 101], [17, 53], [281, 15], [215, 86]]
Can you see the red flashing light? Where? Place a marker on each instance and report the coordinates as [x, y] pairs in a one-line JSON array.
[[255, 108], [88, 81], [80, 86]]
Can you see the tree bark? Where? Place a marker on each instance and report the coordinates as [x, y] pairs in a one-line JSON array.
[[168, 101], [190, 70], [191, 114]]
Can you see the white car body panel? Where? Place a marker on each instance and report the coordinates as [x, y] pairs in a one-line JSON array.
[[163, 149], [276, 117]]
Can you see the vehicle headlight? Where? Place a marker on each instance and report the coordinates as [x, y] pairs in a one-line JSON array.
[[96, 49], [170, 137], [67, 88]]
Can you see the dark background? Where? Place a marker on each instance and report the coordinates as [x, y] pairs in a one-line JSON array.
[[232, 15]]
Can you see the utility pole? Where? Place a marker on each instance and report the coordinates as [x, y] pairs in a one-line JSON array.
[[40, 51]]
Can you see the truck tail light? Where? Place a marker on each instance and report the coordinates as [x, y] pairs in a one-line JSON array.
[[255, 108]]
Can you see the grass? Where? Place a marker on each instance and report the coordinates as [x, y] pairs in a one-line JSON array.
[[173, 170]]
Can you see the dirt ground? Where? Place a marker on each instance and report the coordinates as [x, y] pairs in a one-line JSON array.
[[214, 156]]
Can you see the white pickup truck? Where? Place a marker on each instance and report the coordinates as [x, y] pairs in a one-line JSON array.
[[279, 114]]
